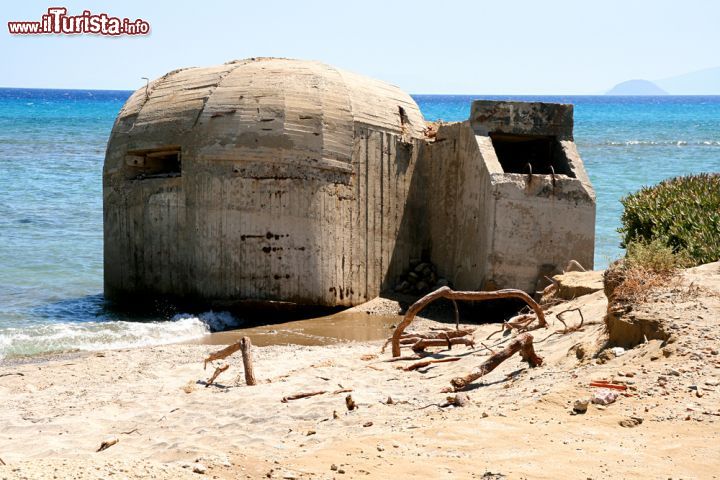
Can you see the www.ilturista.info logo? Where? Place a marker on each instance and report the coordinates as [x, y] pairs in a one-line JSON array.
[[57, 21]]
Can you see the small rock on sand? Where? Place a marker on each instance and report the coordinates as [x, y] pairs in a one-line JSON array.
[[604, 397], [581, 405], [630, 422]]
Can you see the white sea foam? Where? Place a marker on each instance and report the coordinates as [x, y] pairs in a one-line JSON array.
[[659, 143], [90, 336]]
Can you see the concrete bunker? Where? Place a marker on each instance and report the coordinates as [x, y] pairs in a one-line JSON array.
[[285, 181]]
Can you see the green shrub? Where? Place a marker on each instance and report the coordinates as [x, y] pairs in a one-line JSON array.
[[682, 213], [655, 256]]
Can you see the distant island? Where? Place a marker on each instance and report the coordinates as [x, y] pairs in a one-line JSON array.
[[636, 87], [700, 82]]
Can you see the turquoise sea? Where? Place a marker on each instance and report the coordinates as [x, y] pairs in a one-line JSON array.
[[52, 144]]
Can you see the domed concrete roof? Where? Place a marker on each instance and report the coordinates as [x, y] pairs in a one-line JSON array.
[[256, 107]]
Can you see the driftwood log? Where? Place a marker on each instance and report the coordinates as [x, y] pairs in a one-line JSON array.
[[244, 345], [424, 343], [426, 363], [107, 443], [298, 396], [523, 343], [447, 292], [418, 341]]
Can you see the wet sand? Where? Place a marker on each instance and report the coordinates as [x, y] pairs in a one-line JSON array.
[[348, 326]]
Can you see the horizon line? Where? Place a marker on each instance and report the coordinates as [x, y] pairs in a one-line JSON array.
[[412, 94]]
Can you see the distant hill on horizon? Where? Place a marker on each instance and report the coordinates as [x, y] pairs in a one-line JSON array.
[[700, 82], [636, 87]]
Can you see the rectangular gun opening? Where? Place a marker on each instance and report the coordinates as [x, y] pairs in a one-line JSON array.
[[155, 163], [539, 154]]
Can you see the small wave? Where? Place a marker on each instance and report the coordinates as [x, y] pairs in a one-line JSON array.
[[215, 321], [91, 336]]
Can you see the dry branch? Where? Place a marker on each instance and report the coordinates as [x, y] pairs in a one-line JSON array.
[[244, 346], [224, 353], [457, 315], [447, 292], [523, 343], [411, 338], [217, 372], [374, 368], [402, 359], [502, 329], [492, 352], [519, 322], [107, 443], [298, 396], [576, 327], [445, 335], [422, 344], [425, 363]]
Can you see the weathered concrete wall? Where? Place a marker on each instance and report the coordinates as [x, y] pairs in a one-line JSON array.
[[294, 179], [452, 180], [538, 229], [490, 229]]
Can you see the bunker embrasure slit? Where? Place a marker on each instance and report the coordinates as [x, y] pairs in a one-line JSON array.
[[156, 163], [536, 154]]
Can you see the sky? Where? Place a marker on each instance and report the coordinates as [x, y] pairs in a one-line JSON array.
[[536, 47]]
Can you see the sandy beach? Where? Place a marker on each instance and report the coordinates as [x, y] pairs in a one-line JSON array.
[[519, 422], [386, 240]]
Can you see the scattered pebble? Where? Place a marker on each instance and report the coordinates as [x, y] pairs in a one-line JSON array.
[[580, 405], [604, 397], [631, 422]]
